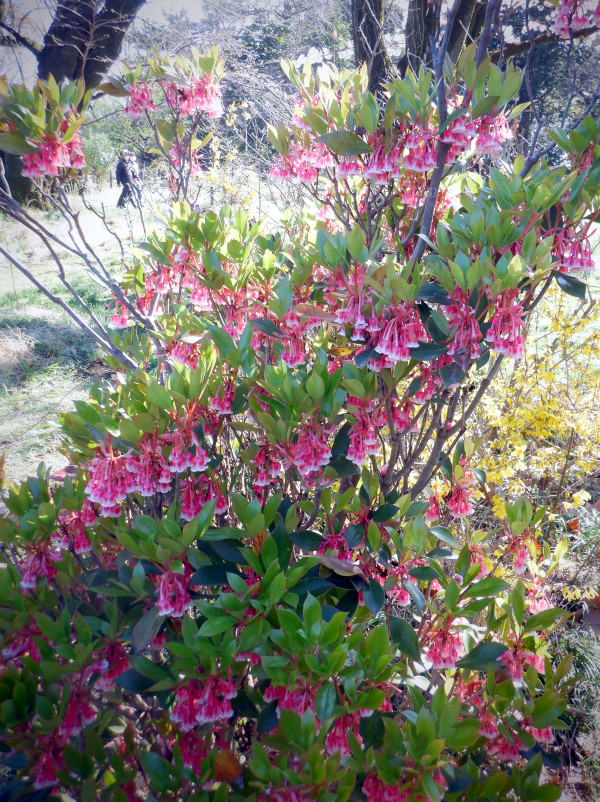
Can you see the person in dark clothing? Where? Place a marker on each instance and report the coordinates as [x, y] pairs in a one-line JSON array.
[[125, 179]]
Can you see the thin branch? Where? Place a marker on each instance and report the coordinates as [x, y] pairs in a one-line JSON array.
[[107, 345]]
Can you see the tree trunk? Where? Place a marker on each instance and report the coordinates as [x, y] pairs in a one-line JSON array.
[[367, 36], [84, 39]]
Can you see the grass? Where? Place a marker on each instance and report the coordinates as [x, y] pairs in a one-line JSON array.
[[46, 362]]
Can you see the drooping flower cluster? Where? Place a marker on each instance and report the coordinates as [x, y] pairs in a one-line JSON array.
[[173, 596], [310, 451], [200, 95], [72, 528], [54, 155], [400, 331], [445, 645], [39, 562], [465, 326], [574, 16], [139, 100], [196, 493], [110, 481], [298, 699], [202, 701], [505, 331]]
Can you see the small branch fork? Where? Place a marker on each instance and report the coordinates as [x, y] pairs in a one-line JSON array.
[[77, 246]]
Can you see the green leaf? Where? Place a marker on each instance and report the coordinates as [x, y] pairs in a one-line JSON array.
[[405, 637], [306, 540], [16, 144], [159, 395], [543, 620], [414, 593], [264, 325], [373, 596], [571, 285], [216, 626], [482, 656], [158, 770], [315, 387], [445, 535], [385, 513], [222, 339], [345, 143], [145, 629], [325, 699], [490, 586], [427, 351]]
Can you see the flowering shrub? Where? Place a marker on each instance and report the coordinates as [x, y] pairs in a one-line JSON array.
[[251, 590], [183, 91], [43, 126]]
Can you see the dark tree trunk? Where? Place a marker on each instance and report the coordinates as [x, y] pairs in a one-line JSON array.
[[367, 36], [85, 38], [420, 23]]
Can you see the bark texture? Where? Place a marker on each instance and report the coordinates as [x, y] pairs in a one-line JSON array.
[[367, 37], [85, 38]]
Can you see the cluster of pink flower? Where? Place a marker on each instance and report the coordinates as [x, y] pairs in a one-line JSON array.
[[201, 95], [194, 750], [422, 153], [112, 476], [23, 642], [492, 133], [458, 134], [516, 660], [117, 662], [517, 545], [415, 151], [54, 155], [203, 701], [302, 164], [459, 499], [39, 562], [298, 699], [363, 434], [311, 451], [139, 100], [173, 596], [150, 469], [574, 16], [120, 317], [109, 481], [50, 749], [294, 327], [506, 325], [537, 597], [223, 398], [573, 251], [399, 593], [375, 790], [337, 543], [72, 528], [186, 451], [445, 645], [196, 493], [80, 711], [400, 331], [268, 467], [337, 737], [465, 327]]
